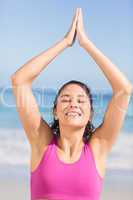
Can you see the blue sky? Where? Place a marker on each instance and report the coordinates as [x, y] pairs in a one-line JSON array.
[[30, 27]]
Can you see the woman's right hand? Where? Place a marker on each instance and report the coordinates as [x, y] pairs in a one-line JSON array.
[[71, 34], [81, 34]]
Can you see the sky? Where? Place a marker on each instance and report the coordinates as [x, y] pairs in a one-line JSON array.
[[28, 28]]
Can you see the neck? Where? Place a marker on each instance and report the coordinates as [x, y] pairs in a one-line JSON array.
[[70, 139]]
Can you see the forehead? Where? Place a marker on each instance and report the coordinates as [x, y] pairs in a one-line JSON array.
[[73, 89]]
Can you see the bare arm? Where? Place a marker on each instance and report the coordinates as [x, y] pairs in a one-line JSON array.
[[106, 134], [115, 77], [35, 127], [29, 71], [26, 103]]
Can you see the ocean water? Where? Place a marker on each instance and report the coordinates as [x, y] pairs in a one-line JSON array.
[[14, 146]]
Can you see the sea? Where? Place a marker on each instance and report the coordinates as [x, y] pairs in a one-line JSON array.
[[14, 147]]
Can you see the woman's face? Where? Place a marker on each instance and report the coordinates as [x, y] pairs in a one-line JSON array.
[[73, 106]]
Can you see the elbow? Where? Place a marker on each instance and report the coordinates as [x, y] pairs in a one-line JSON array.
[[17, 80], [129, 89], [14, 80]]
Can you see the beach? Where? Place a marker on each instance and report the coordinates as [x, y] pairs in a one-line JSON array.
[[44, 45]]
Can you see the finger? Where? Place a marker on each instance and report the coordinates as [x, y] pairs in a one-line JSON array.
[[74, 24], [74, 38], [76, 16], [77, 10], [80, 17]]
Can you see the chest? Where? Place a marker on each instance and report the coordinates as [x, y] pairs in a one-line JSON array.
[[56, 176], [61, 178]]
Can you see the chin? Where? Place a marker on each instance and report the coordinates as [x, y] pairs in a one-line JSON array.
[[75, 124]]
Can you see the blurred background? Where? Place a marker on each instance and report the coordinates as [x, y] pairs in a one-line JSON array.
[[27, 29]]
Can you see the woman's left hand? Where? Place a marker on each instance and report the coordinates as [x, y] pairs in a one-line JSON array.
[[71, 34], [82, 37]]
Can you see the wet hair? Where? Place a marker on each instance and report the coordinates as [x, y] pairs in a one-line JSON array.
[[89, 127]]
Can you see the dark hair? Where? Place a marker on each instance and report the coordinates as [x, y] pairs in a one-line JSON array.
[[89, 127]]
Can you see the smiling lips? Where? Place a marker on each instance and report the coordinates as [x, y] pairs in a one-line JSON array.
[[73, 113]]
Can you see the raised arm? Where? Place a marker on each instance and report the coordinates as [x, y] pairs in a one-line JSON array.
[[106, 134], [35, 127]]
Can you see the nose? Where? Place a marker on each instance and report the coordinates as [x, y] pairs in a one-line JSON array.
[[73, 103], [73, 106]]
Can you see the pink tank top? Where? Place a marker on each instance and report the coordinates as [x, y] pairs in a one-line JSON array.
[[54, 179]]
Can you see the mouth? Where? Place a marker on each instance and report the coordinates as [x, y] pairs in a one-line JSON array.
[[73, 114]]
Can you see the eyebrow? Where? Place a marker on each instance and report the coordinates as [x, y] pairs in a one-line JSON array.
[[67, 95]]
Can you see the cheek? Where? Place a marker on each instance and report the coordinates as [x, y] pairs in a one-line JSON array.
[[61, 109], [86, 108], [87, 113]]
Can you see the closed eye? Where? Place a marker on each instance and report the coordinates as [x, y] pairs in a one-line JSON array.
[[65, 100], [68, 100], [79, 101]]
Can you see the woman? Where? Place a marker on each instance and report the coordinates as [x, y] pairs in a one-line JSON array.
[[63, 165]]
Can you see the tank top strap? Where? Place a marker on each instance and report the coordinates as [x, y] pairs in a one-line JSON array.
[[90, 156], [88, 152]]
